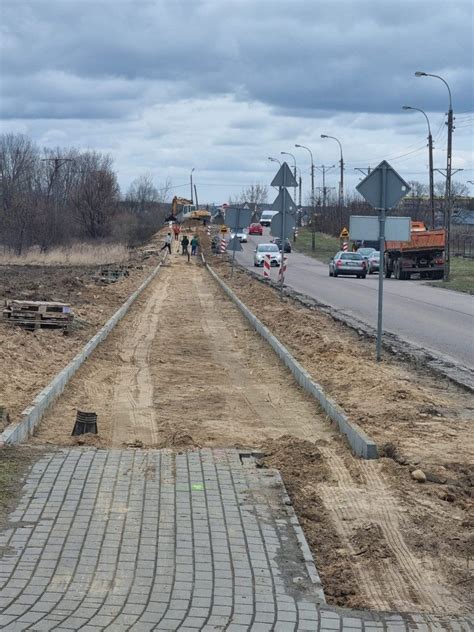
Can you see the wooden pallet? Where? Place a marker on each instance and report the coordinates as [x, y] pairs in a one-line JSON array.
[[37, 314]]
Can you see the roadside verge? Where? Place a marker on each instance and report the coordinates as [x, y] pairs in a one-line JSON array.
[[32, 415]]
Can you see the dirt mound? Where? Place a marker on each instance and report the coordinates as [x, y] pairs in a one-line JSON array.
[[302, 467]]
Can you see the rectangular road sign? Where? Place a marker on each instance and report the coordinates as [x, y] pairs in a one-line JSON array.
[[238, 217], [367, 228]]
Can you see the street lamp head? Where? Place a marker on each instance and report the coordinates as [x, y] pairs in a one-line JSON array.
[[419, 73], [298, 145], [324, 136], [407, 107]]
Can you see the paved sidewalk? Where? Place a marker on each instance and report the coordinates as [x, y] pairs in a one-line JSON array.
[[152, 540]]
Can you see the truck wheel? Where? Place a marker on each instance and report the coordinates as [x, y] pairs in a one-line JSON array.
[[335, 274], [396, 269], [388, 273], [363, 276]]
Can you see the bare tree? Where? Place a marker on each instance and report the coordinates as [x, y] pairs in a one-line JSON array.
[[18, 162], [254, 194], [96, 194]]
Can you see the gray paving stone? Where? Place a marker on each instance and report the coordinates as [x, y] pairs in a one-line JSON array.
[[178, 558]]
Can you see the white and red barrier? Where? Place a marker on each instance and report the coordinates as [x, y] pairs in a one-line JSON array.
[[223, 247], [266, 267], [345, 246], [282, 270]]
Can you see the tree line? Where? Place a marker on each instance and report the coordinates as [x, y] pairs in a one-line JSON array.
[[53, 197]]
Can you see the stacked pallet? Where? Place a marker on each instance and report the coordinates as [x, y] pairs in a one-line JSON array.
[[36, 314]]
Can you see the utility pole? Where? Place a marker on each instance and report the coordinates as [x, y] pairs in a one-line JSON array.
[[196, 196], [341, 177], [324, 169], [430, 160], [191, 179], [448, 198]]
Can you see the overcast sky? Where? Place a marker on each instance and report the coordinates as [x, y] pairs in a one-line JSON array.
[[220, 85]]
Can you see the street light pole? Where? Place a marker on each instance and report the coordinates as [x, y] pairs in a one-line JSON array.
[[191, 179], [430, 159], [447, 212], [341, 177], [274, 160], [313, 221]]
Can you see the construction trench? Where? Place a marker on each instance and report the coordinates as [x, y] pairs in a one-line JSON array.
[[182, 387]]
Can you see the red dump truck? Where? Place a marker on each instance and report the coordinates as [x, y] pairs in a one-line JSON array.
[[423, 254]]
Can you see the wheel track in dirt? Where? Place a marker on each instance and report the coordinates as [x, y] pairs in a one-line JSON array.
[[406, 585], [133, 408]]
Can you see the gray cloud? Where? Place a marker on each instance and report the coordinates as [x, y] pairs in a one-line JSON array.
[[242, 78]]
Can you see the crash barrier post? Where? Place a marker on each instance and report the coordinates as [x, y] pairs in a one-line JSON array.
[[266, 266], [282, 270]]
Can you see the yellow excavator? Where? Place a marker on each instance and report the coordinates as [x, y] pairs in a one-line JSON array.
[[182, 209]]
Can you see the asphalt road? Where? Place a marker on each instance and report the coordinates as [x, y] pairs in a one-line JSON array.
[[438, 320]]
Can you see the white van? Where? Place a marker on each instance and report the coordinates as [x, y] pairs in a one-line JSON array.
[[266, 217]]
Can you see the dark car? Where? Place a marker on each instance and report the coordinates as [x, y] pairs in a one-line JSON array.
[[348, 263], [277, 241]]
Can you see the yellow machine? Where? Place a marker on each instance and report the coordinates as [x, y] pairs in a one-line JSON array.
[[181, 204]]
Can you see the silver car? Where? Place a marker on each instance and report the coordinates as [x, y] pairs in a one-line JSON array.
[[267, 249], [374, 262], [241, 236], [348, 263]]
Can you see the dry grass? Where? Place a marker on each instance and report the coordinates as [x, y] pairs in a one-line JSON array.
[[75, 255]]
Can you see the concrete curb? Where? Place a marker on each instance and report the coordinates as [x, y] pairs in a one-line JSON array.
[[360, 442], [436, 363], [31, 416]]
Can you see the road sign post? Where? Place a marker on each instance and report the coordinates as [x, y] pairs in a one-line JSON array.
[[284, 204], [383, 188]]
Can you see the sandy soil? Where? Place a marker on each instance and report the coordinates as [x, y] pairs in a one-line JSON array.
[[183, 369], [31, 359], [424, 418]]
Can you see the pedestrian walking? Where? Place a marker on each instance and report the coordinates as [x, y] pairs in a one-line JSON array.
[[194, 245], [167, 243]]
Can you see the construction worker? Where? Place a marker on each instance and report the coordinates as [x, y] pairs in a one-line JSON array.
[[167, 243], [176, 231], [194, 245], [184, 246]]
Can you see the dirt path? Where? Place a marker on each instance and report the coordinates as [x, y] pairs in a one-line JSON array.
[[184, 369]]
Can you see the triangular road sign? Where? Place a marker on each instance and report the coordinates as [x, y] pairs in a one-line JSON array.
[[290, 206], [284, 177], [234, 244]]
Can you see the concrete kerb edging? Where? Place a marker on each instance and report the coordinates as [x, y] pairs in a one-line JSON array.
[[31, 416], [360, 442]]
